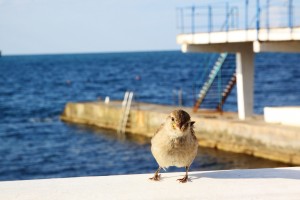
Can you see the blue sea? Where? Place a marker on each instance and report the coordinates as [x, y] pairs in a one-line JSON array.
[[35, 144]]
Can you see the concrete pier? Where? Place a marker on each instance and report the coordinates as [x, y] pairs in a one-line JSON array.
[[278, 183], [224, 131], [245, 43]]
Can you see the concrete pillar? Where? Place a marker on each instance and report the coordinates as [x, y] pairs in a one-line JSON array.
[[245, 77]]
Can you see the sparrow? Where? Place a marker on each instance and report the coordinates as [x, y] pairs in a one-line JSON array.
[[175, 143]]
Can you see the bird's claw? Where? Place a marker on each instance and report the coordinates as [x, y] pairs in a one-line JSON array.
[[156, 177], [183, 180]]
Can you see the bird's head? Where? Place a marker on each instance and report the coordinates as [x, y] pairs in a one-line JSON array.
[[179, 121]]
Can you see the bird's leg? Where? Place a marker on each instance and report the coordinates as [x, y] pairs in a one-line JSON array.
[[186, 177], [156, 176]]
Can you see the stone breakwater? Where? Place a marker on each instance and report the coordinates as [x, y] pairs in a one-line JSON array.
[[222, 131]]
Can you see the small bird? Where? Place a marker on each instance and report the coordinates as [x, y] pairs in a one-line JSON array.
[[175, 143]]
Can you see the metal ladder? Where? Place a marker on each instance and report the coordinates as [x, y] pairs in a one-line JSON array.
[[227, 91], [211, 77], [126, 105]]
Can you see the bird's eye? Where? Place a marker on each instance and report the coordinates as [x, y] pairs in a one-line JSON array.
[[172, 119]]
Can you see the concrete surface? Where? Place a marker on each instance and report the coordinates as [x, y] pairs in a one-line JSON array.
[[216, 130], [279, 183], [241, 36], [283, 115]]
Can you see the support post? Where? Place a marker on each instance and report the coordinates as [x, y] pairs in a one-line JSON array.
[[290, 13], [268, 15], [209, 19], [227, 16], [246, 14], [193, 20], [245, 77], [257, 19]]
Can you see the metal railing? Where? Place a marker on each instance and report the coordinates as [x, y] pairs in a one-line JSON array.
[[238, 15]]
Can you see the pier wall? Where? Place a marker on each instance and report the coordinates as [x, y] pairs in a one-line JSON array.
[[225, 132]]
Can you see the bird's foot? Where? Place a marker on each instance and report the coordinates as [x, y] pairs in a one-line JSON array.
[[183, 180], [156, 177]]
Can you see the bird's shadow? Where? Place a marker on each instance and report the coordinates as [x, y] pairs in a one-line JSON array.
[[249, 174], [190, 179]]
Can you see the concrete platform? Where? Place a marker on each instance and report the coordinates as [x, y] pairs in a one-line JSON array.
[[223, 131], [264, 40], [283, 115], [279, 183]]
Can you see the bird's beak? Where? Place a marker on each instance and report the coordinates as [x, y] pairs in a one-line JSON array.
[[180, 125], [175, 125]]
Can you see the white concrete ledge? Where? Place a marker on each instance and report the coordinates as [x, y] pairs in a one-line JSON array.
[[265, 40], [240, 36], [279, 183], [288, 115]]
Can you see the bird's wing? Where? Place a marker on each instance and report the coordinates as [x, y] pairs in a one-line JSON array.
[[193, 133]]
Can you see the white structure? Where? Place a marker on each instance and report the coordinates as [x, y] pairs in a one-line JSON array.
[[281, 183], [283, 115], [244, 43]]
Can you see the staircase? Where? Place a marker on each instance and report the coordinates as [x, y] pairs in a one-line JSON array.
[[227, 91], [219, 83], [211, 77]]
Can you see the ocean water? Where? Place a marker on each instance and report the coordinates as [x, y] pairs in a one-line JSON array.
[[34, 143]]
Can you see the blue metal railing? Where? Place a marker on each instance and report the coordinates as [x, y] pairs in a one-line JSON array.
[[233, 15]]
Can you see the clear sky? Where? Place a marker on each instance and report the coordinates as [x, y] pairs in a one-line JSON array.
[[82, 26]]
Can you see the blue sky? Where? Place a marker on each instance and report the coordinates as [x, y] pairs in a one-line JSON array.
[[82, 26]]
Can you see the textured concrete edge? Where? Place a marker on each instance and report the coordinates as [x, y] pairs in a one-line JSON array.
[[260, 141]]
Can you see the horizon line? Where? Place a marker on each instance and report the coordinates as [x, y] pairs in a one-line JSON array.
[[82, 53]]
